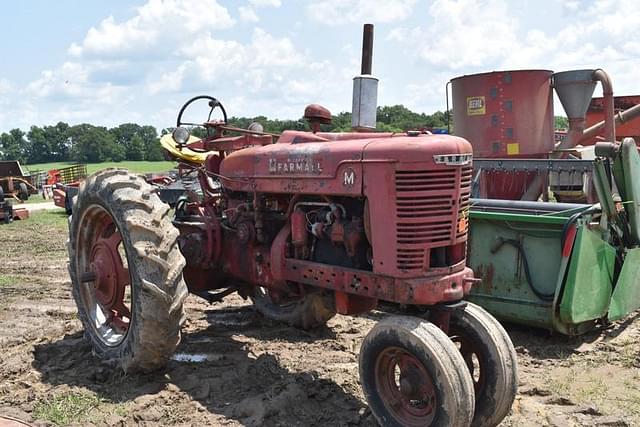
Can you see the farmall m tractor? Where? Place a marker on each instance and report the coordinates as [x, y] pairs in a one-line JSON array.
[[306, 225]]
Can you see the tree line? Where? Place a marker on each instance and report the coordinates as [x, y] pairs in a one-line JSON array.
[[83, 143], [86, 143]]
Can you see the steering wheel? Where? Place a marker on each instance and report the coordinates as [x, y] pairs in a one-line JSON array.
[[213, 103]]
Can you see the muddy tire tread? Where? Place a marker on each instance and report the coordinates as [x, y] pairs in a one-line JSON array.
[[159, 290], [492, 409]]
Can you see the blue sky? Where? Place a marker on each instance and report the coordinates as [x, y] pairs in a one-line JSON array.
[[111, 62]]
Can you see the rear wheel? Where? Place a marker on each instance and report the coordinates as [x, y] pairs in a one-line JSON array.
[[67, 202], [23, 191], [126, 270], [491, 359], [413, 375], [312, 310]]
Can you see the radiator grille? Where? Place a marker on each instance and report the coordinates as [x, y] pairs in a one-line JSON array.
[[465, 193], [427, 211]]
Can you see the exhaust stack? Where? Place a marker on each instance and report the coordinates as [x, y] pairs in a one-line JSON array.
[[365, 87]]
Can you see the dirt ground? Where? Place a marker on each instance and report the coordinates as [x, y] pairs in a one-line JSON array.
[[255, 372]]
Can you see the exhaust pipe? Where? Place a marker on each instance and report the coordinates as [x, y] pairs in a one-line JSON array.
[[365, 88]]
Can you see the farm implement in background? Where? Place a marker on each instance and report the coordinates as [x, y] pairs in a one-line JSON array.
[[62, 185], [560, 266], [15, 187]]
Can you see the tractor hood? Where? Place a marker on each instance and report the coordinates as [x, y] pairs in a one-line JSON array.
[[312, 163]]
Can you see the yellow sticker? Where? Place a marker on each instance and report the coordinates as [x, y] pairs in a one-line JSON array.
[[462, 225], [476, 106], [463, 221], [513, 149]]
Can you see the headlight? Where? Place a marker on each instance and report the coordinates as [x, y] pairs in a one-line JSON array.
[[181, 135]]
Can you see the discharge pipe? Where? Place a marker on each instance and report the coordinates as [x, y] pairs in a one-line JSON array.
[[620, 117], [607, 93]]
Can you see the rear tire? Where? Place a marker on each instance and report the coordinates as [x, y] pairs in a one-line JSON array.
[[491, 359], [67, 203], [311, 311], [144, 335], [23, 191], [413, 375]]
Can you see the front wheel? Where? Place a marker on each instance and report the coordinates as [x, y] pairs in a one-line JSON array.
[[412, 374], [126, 270], [312, 310], [491, 359]]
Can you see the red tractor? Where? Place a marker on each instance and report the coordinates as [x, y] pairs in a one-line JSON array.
[[306, 225]]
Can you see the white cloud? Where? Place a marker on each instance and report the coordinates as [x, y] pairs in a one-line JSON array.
[[5, 86], [254, 66], [263, 3], [156, 24], [465, 37], [144, 66], [337, 12], [247, 14], [461, 33], [71, 81]]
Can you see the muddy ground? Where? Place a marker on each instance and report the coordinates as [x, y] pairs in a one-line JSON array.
[[257, 372]]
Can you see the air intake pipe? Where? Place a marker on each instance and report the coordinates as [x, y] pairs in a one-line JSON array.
[[365, 87]]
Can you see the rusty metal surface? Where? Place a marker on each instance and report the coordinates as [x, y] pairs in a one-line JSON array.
[[406, 386], [367, 49], [401, 239], [423, 291], [317, 112], [10, 168], [627, 128], [505, 114]]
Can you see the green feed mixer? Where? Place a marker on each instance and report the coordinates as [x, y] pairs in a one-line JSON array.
[[554, 217]]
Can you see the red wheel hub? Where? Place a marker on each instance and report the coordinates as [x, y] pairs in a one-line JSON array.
[[469, 348], [110, 276], [405, 387]]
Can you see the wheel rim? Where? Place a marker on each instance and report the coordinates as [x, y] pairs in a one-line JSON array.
[[405, 387], [472, 355], [102, 270]]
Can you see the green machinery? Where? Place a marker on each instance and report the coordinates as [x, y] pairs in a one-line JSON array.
[[560, 266], [557, 265]]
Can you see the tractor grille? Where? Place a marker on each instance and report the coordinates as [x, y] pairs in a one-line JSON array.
[[466, 177], [427, 211]]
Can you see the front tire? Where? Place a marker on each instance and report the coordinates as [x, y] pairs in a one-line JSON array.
[[491, 359], [126, 271], [413, 375]]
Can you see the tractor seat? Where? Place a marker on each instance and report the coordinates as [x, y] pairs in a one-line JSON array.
[[184, 153]]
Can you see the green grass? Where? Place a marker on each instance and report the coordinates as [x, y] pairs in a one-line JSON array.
[[38, 219], [7, 279], [34, 198], [66, 409], [137, 167]]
